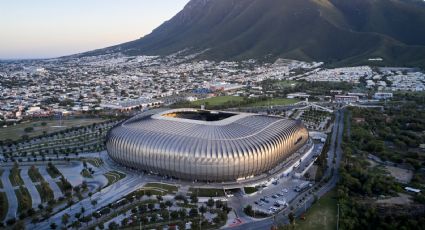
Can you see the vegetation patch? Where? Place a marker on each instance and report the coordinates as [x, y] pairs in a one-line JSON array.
[[3, 205], [250, 190], [96, 162], [53, 171], [46, 193], [114, 176], [35, 175], [207, 192], [15, 176], [161, 186], [24, 199]]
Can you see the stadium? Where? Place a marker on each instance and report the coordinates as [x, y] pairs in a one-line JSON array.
[[202, 145]]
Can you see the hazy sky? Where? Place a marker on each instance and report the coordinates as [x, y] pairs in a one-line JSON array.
[[51, 28]]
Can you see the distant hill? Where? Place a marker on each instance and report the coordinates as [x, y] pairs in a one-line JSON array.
[[336, 31]]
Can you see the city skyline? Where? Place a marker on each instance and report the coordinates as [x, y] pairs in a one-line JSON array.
[[48, 29]]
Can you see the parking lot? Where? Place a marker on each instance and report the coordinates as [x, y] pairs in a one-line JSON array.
[[274, 196]]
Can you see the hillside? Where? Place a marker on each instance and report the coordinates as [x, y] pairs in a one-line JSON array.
[[335, 31]]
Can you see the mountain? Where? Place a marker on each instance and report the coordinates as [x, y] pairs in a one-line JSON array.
[[335, 31]]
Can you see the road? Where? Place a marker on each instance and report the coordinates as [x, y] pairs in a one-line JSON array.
[[334, 150], [11, 196]]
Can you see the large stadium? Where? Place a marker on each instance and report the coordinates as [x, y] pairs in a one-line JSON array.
[[201, 145]]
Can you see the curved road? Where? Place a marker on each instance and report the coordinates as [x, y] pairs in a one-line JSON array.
[[11, 196]]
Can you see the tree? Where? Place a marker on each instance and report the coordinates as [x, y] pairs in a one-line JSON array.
[[193, 212], [291, 218], [210, 203], [65, 219], [183, 213], [174, 215], [248, 210], [218, 204], [165, 214], [193, 198], [151, 206], [28, 129], [53, 226], [113, 225], [169, 203], [154, 218], [202, 209]]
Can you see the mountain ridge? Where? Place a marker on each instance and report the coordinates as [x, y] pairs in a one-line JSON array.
[[334, 31]]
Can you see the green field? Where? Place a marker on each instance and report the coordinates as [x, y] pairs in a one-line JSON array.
[[207, 192], [114, 176], [46, 193], [35, 174], [3, 205], [273, 102], [217, 101], [24, 199], [15, 132], [322, 215], [166, 187], [15, 177]]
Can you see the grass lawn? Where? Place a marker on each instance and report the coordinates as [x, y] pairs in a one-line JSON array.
[[53, 171], [250, 190], [273, 102], [15, 177], [167, 187], [24, 199], [217, 101], [207, 192], [3, 205], [15, 132], [46, 193], [322, 215], [114, 176], [96, 162], [35, 175]]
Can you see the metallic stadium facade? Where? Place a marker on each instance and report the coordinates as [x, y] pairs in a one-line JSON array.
[[200, 145]]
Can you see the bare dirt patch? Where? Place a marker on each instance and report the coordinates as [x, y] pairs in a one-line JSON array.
[[401, 175], [402, 199]]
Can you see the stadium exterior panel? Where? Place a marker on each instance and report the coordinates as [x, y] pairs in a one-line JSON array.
[[201, 145]]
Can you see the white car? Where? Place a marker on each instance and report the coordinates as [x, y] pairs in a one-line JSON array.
[[285, 190]]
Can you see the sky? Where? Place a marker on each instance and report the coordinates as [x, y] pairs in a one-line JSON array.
[[52, 28]]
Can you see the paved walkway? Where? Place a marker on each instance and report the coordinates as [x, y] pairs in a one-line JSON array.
[[11, 196], [56, 190], [35, 196]]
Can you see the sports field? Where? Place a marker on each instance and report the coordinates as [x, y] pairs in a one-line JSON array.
[[321, 216], [217, 101]]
